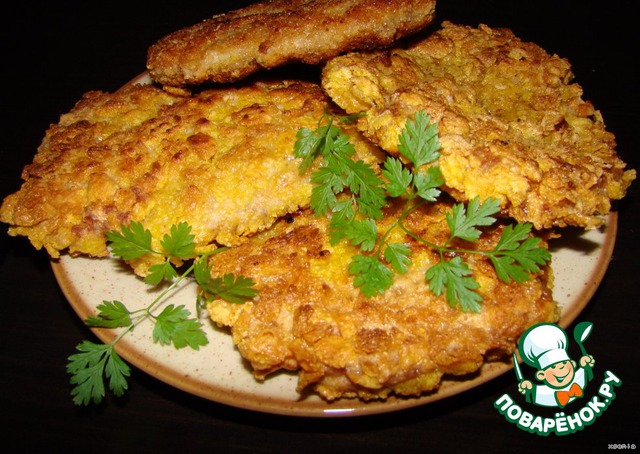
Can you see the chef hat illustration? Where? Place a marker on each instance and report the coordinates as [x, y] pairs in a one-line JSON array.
[[544, 345]]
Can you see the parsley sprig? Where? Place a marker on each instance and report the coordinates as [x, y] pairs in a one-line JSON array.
[[355, 195], [339, 172], [173, 325]]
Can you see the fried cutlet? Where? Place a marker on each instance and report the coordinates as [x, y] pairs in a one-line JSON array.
[[231, 46], [512, 124], [221, 160], [309, 317]]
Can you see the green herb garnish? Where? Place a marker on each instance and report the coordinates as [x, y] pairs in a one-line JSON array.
[[354, 194], [173, 325]]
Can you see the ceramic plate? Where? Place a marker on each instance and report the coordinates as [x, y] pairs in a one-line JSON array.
[[217, 371]]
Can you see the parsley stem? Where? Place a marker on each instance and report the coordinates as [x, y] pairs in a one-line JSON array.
[[173, 285], [409, 208], [398, 223], [418, 238], [442, 249], [126, 330]]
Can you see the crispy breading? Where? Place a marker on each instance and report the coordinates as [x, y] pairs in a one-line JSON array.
[[309, 317], [512, 125], [221, 160], [231, 46]]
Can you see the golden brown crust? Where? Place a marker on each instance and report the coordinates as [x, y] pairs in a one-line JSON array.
[[511, 124], [310, 318], [221, 160], [231, 46]]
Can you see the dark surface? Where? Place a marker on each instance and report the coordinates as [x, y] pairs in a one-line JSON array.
[[55, 52]]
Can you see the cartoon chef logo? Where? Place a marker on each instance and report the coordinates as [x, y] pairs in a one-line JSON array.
[[557, 381], [544, 347]]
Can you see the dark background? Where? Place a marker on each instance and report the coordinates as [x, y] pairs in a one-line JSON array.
[[53, 52]]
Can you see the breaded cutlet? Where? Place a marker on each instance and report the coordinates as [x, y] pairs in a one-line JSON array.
[[221, 160], [231, 46], [512, 124], [310, 318]]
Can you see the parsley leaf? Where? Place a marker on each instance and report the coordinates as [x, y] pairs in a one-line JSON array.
[[358, 232], [366, 186], [419, 141], [160, 272], [179, 243], [454, 278], [371, 275], [173, 325], [87, 368], [517, 255], [463, 222], [306, 147], [230, 288], [234, 289], [398, 255], [398, 176], [328, 182], [132, 242], [112, 314], [427, 183], [338, 171]]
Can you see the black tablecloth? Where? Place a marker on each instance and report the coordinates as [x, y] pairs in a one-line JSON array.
[[54, 52]]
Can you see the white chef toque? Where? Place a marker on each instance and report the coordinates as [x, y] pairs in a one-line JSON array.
[[544, 345]]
